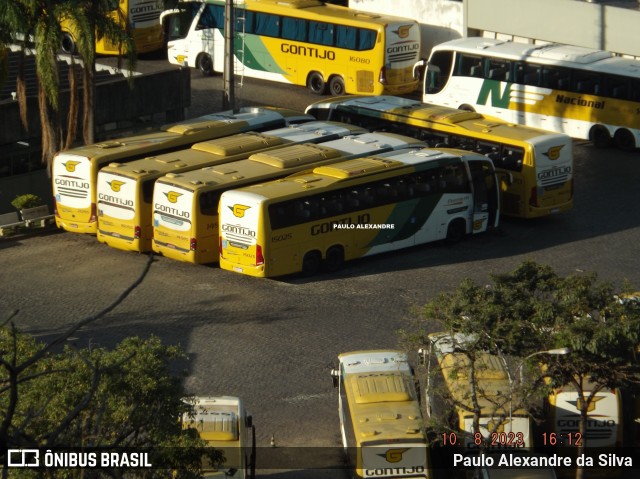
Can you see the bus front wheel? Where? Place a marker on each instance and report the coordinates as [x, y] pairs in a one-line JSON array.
[[68, 44], [316, 83], [456, 231], [336, 86], [600, 137], [624, 140], [205, 64], [334, 259], [311, 263]]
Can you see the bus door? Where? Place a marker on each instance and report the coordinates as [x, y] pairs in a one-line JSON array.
[[485, 196]]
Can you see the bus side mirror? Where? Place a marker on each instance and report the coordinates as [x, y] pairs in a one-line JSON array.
[[335, 377], [507, 178], [248, 421]]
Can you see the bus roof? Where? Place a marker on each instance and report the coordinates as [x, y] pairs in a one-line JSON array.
[[369, 166], [319, 9], [215, 418], [441, 118], [203, 128], [380, 387], [548, 54]]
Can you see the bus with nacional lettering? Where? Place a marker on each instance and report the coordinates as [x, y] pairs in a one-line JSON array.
[[535, 166], [301, 42], [332, 214], [585, 93], [75, 171], [185, 205], [457, 380], [381, 425]]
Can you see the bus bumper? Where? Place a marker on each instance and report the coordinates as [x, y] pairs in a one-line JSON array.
[[256, 271]]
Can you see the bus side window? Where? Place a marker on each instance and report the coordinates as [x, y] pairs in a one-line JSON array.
[[209, 203], [512, 159]]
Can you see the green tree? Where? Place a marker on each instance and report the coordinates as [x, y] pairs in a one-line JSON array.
[[533, 309], [93, 397]]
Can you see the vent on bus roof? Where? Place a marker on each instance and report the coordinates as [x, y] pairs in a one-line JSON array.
[[237, 144], [296, 155], [109, 144], [380, 387], [191, 128], [360, 166]]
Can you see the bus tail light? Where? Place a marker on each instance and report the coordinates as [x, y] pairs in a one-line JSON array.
[[137, 232], [259, 257], [55, 207], [220, 246], [533, 198], [193, 244], [383, 76], [93, 217]]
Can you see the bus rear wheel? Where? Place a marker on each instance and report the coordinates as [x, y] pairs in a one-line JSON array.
[[205, 64], [600, 137], [336, 86], [311, 263], [334, 259], [316, 83], [624, 140], [466, 107]]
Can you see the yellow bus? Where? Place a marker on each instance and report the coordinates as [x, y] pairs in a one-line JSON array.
[[538, 163], [75, 171], [356, 208], [503, 421], [605, 421], [141, 18], [125, 190], [302, 42], [585, 93], [185, 205], [381, 425], [227, 427]]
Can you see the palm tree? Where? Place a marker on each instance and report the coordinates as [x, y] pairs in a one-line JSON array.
[[39, 21], [95, 20]]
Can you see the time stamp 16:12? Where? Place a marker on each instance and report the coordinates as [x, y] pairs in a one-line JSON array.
[[514, 439]]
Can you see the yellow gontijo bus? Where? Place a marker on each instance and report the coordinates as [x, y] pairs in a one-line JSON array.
[[585, 93], [356, 208], [380, 421], [125, 190], [303, 42], [185, 205], [503, 422], [226, 426], [140, 17], [539, 163], [75, 171]]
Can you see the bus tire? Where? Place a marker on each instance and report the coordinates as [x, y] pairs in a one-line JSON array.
[[456, 231], [68, 44], [336, 86], [316, 83], [624, 140], [311, 263], [334, 259], [205, 64], [600, 137], [466, 107]]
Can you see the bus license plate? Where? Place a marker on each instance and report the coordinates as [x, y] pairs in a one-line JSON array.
[[237, 269]]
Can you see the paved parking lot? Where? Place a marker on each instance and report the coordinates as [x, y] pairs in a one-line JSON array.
[[273, 342]]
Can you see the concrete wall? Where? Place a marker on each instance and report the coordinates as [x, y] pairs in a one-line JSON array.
[[604, 25], [166, 94], [440, 20]]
